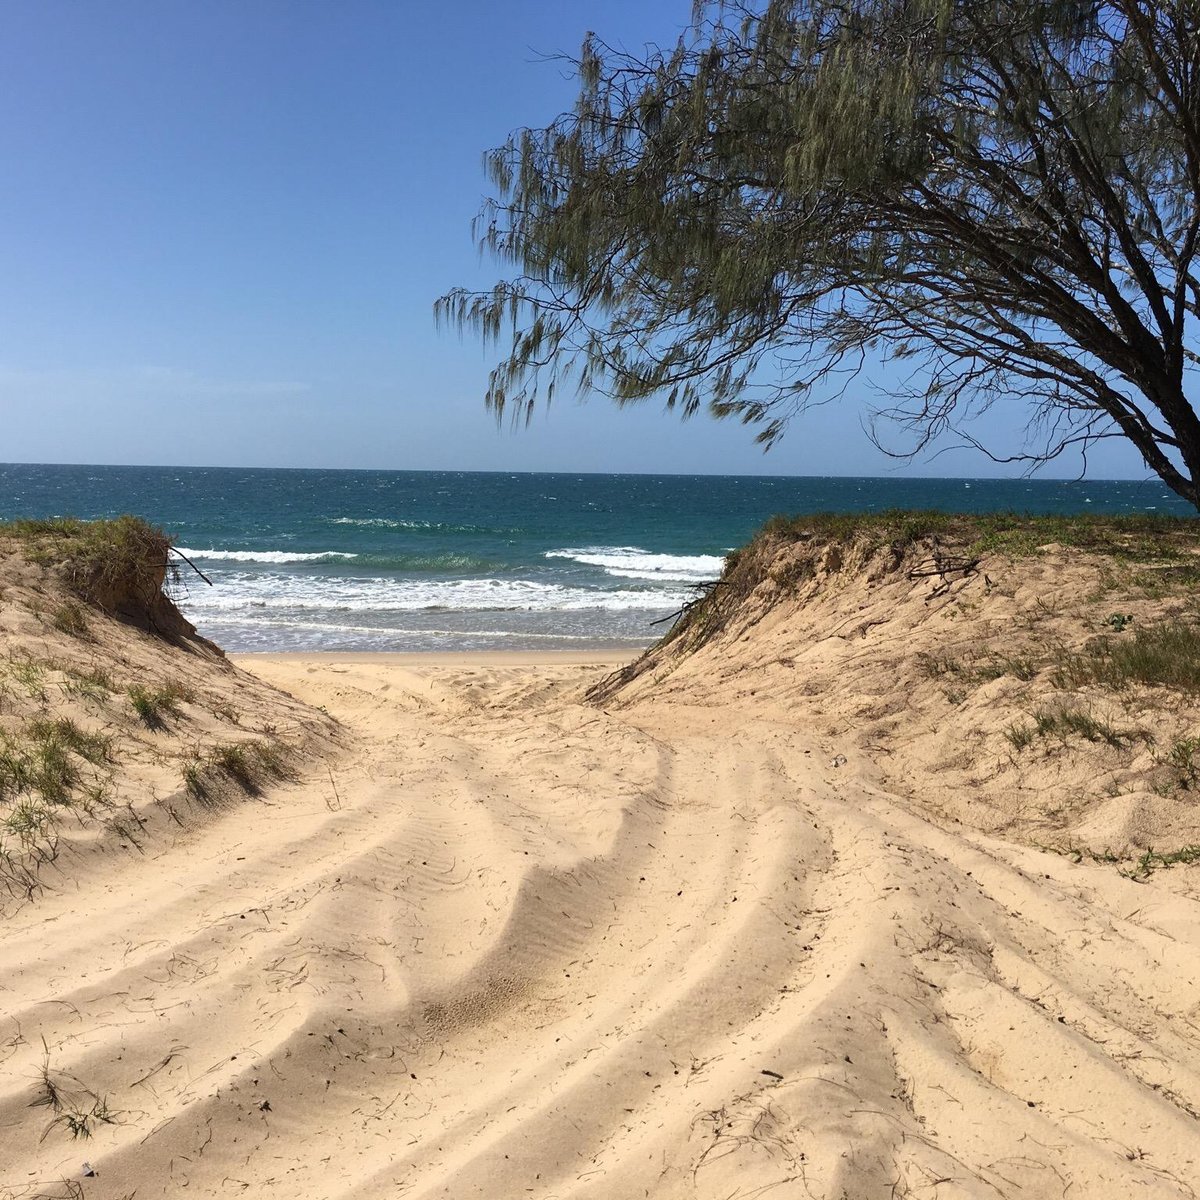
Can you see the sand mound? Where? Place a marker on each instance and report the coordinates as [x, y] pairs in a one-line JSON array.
[[966, 678], [119, 726]]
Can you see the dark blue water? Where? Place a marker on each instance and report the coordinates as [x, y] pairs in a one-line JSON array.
[[413, 560]]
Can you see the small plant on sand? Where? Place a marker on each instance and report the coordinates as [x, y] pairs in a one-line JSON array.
[[1161, 654], [38, 760], [1183, 759], [1152, 860], [64, 734], [937, 666], [27, 822], [70, 618], [244, 764], [40, 776], [193, 778], [1017, 665], [94, 684], [74, 1106], [1066, 719], [1070, 719], [154, 706], [81, 1121], [235, 761], [1020, 736], [29, 676]]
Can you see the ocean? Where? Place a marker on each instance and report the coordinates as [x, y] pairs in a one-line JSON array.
[[304, 560]]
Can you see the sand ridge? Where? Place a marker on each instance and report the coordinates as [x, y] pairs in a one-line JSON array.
[[512, 944]]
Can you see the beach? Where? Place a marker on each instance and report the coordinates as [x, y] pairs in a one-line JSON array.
[[509, 942], [450, 561]]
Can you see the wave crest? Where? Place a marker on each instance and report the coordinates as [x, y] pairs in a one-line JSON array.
[[632, 562]]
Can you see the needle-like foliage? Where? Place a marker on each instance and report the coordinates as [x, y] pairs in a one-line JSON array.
[[1005, 192]]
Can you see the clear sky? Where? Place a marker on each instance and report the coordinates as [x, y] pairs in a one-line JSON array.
[[223, 225]]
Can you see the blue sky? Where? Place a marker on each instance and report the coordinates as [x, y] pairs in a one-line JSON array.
[[223, 226]]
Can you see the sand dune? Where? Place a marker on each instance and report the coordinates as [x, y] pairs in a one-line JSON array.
[[511, 944]]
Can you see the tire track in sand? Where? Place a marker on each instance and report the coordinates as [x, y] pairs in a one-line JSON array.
[[543, 951]]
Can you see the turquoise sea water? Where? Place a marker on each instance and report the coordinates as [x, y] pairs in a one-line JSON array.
[[415, 560]]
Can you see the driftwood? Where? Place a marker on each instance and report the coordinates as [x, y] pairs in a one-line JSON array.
[[943, 567], [706, 590], [176, 550]]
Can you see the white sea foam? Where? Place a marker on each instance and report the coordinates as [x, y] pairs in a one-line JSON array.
[[262, 556], [631, 562], [376, 631], [400, 523], [380, 522], [249, 593]]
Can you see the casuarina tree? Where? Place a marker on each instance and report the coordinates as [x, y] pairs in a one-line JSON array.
[[999, 197]]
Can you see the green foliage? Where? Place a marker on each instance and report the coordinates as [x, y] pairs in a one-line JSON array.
[[1004, 192], [246, 765], [1065, 720], [30, 676], [1136, 538], [94, 684], [1184, 759], [40, 776], [1020, 736], [1152, 860], [97, 559], [1160, 654], [153, 706]]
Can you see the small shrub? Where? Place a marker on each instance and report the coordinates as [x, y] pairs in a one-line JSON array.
[[94, 747], [245, 764], [30, 676], [193, 779], [235, 761], [28, 820], [938, 666], [1016, 665]]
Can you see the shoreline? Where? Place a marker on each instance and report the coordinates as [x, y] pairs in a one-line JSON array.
[[442, 658]]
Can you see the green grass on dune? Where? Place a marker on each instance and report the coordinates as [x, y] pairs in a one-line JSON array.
[[1139, 537], [94, 558]]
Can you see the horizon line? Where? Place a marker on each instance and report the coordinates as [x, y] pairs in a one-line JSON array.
[[1026, 478]]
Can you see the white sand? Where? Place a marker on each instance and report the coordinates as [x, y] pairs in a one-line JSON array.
[[512, 945]]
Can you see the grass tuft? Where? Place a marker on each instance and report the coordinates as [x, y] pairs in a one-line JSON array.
[[1152, 860], [153, 707], [94, 684], [98, 560], [1064, 720], [246, 765], [70, 618], [1161, 654]]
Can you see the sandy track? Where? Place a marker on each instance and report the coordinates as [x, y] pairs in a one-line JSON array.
[[515, 946]]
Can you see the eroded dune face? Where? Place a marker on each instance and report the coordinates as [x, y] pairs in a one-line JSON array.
[[513, 944]]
